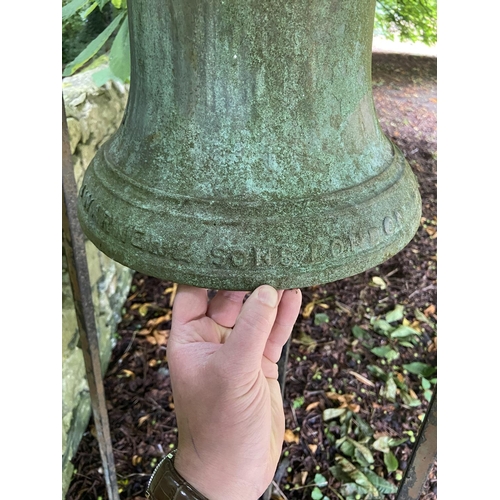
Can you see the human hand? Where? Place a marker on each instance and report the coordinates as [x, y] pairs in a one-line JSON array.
[[222, 358]]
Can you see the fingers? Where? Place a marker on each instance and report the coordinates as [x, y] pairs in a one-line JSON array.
[[225, 307], [288, 311], [190, 304], [245, 346]]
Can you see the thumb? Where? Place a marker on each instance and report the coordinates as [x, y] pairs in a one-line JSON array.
[[247, 341]]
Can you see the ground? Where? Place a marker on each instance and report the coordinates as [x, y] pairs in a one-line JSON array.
[[350, 387]]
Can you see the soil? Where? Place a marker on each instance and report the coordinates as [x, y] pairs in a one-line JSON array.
[[324, 352]]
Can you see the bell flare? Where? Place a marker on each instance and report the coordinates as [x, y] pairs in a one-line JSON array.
[[237, 244]]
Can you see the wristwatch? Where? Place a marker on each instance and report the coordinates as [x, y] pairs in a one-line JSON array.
[[167, 484]]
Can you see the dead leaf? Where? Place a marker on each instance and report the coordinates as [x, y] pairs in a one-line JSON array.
[[313, 448], [400, 377], [416, 326], [430, 230], [160, 336], [143, 309], [312, 406], [136, 460], [172, 295], [127, 373], [151, 340], [152, 323], [291, 437], [144, 332], [379, 282], [152, 363], [430, 310], [362, 379], [308, 309], [142, 420], [303, 477]]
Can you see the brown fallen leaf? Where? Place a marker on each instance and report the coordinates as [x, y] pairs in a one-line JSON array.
[[136, 460], [303, 477], [311, 406], [430, 310], [172, 295], [313, 448], [142, 420], [362, 379], [160, 336], [308, 309], [152, 323], [127, 373], [291, 437]]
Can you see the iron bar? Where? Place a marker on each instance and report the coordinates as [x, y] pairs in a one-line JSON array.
[[422, 457], [74, 248]]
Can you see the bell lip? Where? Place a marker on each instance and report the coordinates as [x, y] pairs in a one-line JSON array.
[[244, 282]]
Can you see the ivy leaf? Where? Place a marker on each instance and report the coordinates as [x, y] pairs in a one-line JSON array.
[[382, 485], [390, 461], [93, 47], [385, 351], [316, 494], [422, 369], [320, 480], [367, 455], [321, 318], [402, 332], [396, 314]]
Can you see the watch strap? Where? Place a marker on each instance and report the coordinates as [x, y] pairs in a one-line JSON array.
[[167, 484]]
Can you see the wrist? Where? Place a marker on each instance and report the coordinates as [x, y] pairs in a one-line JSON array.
[[211, 480]]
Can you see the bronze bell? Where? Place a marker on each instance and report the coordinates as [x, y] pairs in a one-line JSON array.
[[250, 151]]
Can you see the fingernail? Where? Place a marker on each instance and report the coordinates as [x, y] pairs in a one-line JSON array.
[[268, 296]]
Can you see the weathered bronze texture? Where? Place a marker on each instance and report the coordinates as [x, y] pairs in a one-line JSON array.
[[250, 151], [74, 249]]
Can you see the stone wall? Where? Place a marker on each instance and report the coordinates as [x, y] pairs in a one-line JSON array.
[[93, 114]]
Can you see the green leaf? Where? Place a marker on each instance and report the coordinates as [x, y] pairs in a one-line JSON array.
[[358, 332], [320, 480], [93, 47], [389, 391], [428, 395], [404, 343], [402, 332], [382, 485], [396, 442], [382, 444], [423, 318], [357, 476], [117, 3], [90, 10], [425, 383], [385, 351], [421, 369], [367, 455], [331, 413], [298, 402], [408, 400], [347, 448], [381, 326], [316, 494], [364, 427], [102, 76], [377, 372], [396, 314], [71, 8], [321, 318], [102, 3], [390, 461], [119, 56]]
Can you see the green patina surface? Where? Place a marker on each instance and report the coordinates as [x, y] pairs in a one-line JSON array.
[[250, 151]]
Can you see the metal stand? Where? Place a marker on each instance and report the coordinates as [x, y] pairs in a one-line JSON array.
[[74, 248]]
